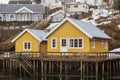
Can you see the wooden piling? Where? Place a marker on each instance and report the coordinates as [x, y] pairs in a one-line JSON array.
[[60, 70], [81, 70], [42, 77], [103, 68], [96, 71]]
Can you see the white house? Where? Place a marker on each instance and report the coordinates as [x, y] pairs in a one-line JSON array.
[[72, 8], [21, 12], [95, 2], [58, 16], [68, 1], [51, 3]]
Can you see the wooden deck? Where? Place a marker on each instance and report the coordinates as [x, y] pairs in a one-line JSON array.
[[87, 57], [84, 66]]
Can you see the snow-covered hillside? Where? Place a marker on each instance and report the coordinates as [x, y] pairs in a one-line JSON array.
[[103, 15]]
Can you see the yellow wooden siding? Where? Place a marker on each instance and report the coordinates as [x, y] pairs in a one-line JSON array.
[[99, 46], [68, 31], [43, 47], [26, 37]]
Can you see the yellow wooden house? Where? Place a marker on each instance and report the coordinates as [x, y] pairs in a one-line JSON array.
[[69, 36], [30, 40], [72, 36]]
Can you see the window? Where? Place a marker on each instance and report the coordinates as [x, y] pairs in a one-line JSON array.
[[93, 44], [76, 43], [64, 42], [71, 42], [27, 45], [106, 44], [11, 16], [53, 43]]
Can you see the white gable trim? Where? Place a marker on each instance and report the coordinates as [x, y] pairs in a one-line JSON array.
[[67, 19], [26, 30], [60, 11], [25, 9]]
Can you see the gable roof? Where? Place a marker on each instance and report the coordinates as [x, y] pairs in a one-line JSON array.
[[12, 8], [57, 12], [87, 28], [23, 9], [38, 34]]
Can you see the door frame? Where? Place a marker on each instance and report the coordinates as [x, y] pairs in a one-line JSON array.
[[64, 47]]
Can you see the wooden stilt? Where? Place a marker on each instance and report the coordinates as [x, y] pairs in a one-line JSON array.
[[10, 67], [110, 68], [45, 69], [83, 74], [60, 70], [81, 70], [34, 71], [87, 70], [91, 70], [96, 71], [3, 70], [116, 65], [37, 70], [42, 78], [49, 67], [119, 64], [20, 70], [113, 63], [103, 71]]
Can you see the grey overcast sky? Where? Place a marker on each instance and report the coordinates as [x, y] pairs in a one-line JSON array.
[[4, 1]]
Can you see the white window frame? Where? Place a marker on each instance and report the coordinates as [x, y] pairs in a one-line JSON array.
[[27, 42], [106, 44], [52, 43], [74, 44], [93, 43], [61, 41], [102, 42]]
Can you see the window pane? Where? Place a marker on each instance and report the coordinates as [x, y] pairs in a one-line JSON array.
[[80, 42], [25, 45], [54, 43], [28, 45], [75, 42], [71, 42], [63, 42]]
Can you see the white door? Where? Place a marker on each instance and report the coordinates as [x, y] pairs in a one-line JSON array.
[[24, 17], [63, 43]]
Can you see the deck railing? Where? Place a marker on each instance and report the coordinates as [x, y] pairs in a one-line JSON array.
[[72, 55]]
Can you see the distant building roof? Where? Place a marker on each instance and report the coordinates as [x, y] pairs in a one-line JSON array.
[[12, 8], [52, 25], [60, 11], [38, 34], [66, 1], [87, 28], [20, 2]]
